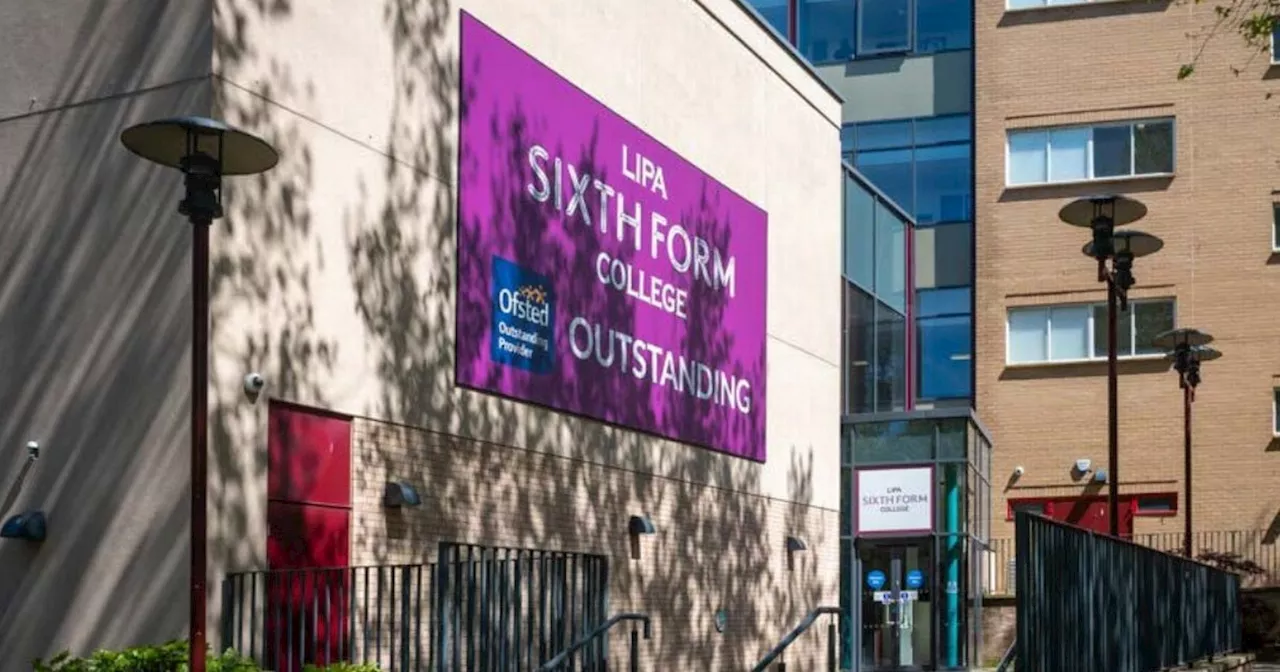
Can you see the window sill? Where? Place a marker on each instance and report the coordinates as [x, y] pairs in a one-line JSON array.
[[1155, 514], [1078, 362], [1060, 6], [1096, 180]]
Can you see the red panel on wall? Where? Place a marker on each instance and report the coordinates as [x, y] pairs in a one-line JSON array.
[[301, 536], [309, 456]]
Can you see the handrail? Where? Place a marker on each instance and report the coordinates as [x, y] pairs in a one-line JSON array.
[[793, 635], [604, 627], [1007, 660]]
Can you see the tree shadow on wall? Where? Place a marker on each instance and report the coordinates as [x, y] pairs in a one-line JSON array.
[[94, 294], [716, 552]]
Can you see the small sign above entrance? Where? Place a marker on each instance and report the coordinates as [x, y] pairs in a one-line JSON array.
[[875, 579], [898, 501], [915, 579]]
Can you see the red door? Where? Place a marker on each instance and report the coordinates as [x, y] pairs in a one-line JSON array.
[[1091, 514], [308, 536]]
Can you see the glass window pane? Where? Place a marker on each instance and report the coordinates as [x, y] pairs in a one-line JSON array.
[[1150, 318], [1153, 147], [1023, 4], [859, 234], [1069, 332], [942, 24], [859, 343], [891, 258], [891, 359], [883, 25], [943, 184], [1275, 407], [891, 172], [847, 138], [774, 12], [1124, 336], [1068, 154], [825, 29], [939, 130], [1275, 226], [1027, 335], [884, 135], [942, 256], [1027, 157], [1111, 151], [943, 302], [945, 352]]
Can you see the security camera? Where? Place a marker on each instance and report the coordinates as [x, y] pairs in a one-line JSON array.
[[253, 384], [33, 449], [1082, 465], [1018, 471]]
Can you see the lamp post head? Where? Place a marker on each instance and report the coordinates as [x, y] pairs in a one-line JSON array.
[[1184, 337], [1110, 210], [204, 150]]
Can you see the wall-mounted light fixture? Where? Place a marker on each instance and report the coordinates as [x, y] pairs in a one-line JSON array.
[[637, 526], [1100, 476], [794, 545], [399, 494], [29, 525]]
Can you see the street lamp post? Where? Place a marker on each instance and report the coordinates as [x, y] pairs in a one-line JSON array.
[[204, 150], [1187, 348], [1102, 214]]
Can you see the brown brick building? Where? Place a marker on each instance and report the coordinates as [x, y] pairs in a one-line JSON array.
[[1108, 114]]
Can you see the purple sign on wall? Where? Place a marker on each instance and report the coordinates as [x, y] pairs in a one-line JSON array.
[[599, 273]]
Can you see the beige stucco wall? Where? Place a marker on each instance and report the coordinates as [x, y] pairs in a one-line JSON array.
[[94, 321], [333, 274]]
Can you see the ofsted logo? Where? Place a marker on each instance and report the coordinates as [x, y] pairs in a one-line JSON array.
[[523, 326]]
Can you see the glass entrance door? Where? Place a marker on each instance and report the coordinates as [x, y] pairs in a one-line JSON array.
[[897, 605]]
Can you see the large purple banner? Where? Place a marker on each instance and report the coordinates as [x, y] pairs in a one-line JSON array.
[[599, 273]]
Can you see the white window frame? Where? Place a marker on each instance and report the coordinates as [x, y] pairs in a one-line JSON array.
[[1092, 329], [1274, 59], [1275, 226], [1045, 4], [1275, 391], [1048, 152]]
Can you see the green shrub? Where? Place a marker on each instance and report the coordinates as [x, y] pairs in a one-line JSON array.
[[169, 657]]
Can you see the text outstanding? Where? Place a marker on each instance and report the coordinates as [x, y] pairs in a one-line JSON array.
[[686, 254]]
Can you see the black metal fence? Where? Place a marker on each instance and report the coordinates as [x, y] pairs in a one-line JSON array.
[[1258, 546], [1091, 602], [476, 608]]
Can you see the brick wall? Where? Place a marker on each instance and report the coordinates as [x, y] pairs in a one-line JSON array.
[[714, 548], [1119, 61]]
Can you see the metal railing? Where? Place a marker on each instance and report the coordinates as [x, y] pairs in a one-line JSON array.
[[475, 608], [1000, 569], [1087, 601], [565, 657], [285, 619], [806, 623]]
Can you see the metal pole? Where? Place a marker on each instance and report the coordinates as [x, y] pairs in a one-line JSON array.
[[1186, 468], [199, 434], [1113, 424]]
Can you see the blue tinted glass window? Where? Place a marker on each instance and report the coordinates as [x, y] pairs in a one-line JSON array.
[[891, 258], [940, 130], [891, 172], [847, 142], [884, 26], [943, 184], [825, 29], [945, 351], [943, 302], [891, 359], [859, 350], [943, 24], [775, 12], [883, 135], [859, 234]]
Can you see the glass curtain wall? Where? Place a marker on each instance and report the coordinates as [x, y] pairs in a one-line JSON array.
[[875, 300], [926, 165]]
